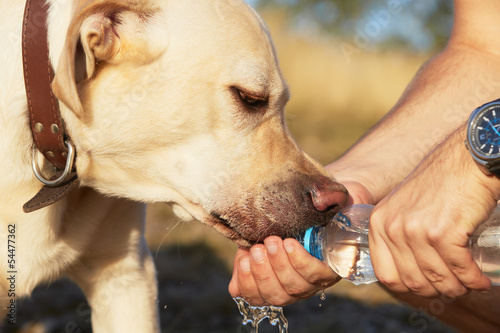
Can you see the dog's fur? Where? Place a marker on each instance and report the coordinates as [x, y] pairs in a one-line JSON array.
[[176, 101]]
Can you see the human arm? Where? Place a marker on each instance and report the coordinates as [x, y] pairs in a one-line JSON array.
[[439, 99]]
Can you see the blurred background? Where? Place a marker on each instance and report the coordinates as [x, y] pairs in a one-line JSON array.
[[346, 63]]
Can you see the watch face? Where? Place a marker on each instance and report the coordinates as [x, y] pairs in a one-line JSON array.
[[484, 131]]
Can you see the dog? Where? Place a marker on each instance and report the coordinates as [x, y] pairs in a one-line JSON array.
[[164, 101]]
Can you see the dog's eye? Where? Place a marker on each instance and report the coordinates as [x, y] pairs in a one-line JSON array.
[[250, 99], [247, 98]]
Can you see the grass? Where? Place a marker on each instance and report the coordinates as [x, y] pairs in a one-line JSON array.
[[333, 103]]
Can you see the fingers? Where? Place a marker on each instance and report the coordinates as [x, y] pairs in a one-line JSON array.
[[393, 260], [463, 266], [432, 265], [407, 258], [233, 288], [243, 283], [383, 263], [402, 273], [257, 281], [310, 269], [292, 282], [278, 272], [270, 289], [405, 262]]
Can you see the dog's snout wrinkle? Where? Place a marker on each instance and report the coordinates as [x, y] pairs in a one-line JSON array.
[[220, 219]]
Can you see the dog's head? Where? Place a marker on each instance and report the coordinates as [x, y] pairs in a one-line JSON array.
[[182, 101]]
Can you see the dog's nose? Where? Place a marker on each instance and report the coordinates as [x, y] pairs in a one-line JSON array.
[[329, 194]]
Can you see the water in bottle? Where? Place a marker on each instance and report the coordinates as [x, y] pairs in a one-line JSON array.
[[343, 245], [484, 245]]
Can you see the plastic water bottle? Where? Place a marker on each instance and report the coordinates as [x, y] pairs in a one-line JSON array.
[[343, 245]]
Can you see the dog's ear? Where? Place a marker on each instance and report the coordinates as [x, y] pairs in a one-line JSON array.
[[101, 32], [98, 43]]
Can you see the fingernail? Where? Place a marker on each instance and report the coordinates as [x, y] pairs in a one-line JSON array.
[[289, 247], [257, 254], [245, 264], [271, 247]]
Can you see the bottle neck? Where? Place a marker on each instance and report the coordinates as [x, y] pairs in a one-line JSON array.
[[311, 240]]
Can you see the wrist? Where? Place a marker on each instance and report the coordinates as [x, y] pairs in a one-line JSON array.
[[478, 173]]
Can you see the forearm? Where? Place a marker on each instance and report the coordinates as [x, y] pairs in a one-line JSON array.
[[438, 100]]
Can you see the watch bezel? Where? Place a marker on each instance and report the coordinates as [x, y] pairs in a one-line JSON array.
[[478, 155]]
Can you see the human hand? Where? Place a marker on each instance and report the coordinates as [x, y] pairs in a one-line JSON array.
[[278, 272], [419, 232], [281, 272]]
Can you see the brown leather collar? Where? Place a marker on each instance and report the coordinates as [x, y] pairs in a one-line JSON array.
[[46, 123]]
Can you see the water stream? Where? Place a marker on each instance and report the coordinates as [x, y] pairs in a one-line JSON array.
[[255, 314]]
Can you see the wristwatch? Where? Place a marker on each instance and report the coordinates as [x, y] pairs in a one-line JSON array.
[[483, 137]]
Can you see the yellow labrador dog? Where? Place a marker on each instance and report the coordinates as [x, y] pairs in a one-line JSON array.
[[176, 101]]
